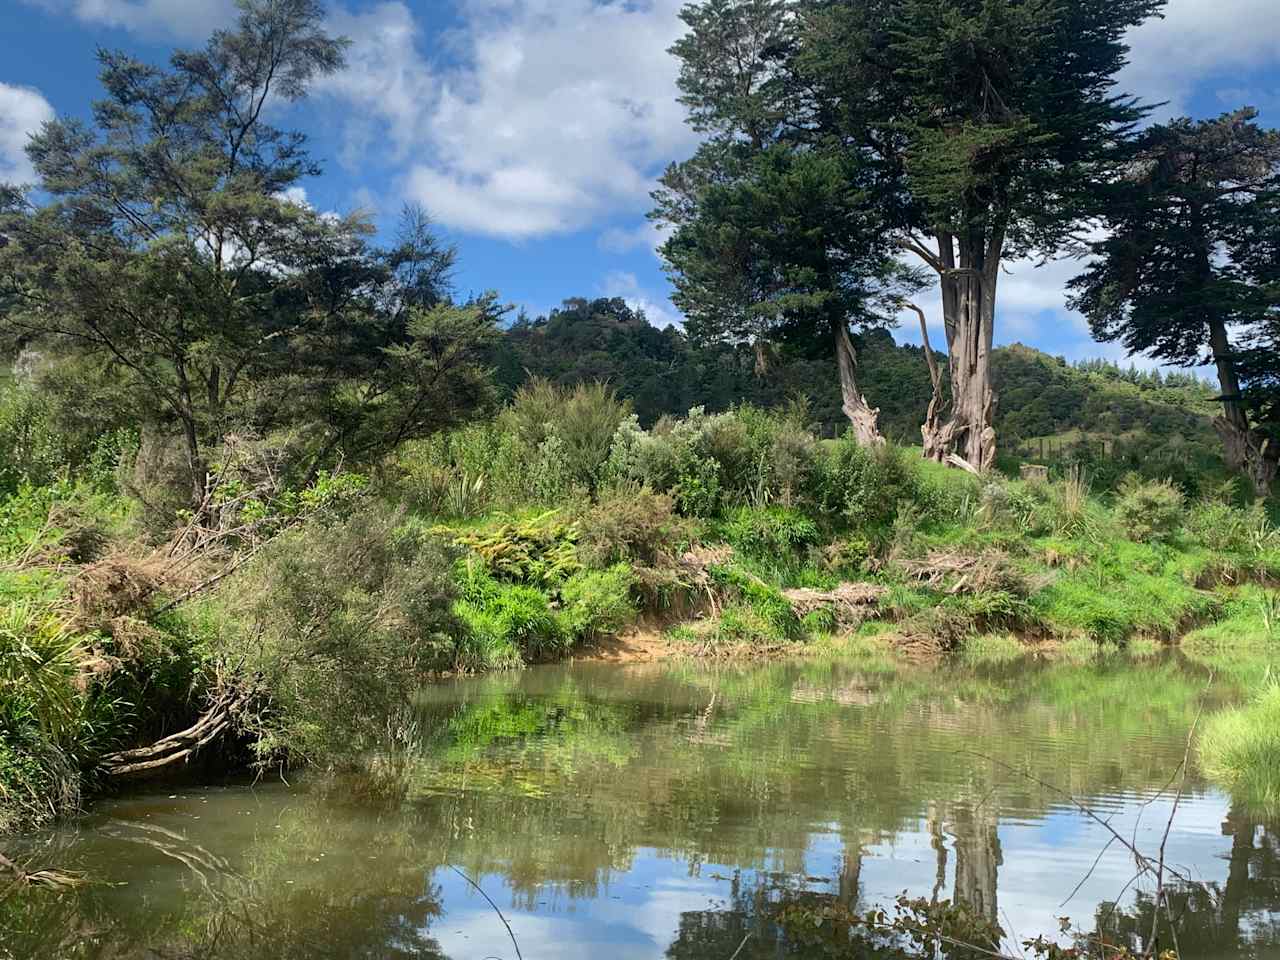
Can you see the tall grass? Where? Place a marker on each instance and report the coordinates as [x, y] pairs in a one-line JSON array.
[[1240, 749]]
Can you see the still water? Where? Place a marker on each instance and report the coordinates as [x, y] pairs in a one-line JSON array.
[[651, 811]]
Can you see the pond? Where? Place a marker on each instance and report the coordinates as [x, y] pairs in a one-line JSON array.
[[663, 810]]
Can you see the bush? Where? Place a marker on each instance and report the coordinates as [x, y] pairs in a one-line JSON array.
[[578, 423], [865, 486], [1149, 511], [343, 622], [770, 530], [597, 603], [540, 550], [630, 525]]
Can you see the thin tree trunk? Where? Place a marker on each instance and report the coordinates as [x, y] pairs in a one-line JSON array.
[[930, 428], [862, 417]]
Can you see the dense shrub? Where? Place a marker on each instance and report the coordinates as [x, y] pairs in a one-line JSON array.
[[1149, 510], [865, 486], [344, 621], [597, 603], [630, 525], [572, 428], [776, 530]]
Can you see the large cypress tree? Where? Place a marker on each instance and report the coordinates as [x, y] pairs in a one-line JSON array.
[[774, 240], [981, 130], [1189, 270]]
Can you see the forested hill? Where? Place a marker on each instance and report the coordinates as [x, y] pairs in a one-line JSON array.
[[662, 372]]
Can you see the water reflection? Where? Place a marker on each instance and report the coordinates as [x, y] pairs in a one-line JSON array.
[[664, 811]]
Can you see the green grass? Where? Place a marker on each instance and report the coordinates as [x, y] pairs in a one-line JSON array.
[[1240, 749], [992, 648]]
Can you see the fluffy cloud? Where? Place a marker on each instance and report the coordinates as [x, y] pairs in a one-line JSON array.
[[1198, 38], [547, 115], [188, 20], [22, 110]]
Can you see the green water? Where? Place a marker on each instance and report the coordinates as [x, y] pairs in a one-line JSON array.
[[662, 811]]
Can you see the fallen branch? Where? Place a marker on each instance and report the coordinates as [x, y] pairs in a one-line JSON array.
[[177, 747]]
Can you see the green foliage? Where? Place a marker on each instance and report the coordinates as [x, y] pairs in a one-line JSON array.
[[597, 603], [630, 525], [770, 530], [540, 550], [339, 622], [1149, 511], [866, 487], [571, 430]]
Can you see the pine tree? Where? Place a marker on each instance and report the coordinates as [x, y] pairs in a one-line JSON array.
[[1189, 271]]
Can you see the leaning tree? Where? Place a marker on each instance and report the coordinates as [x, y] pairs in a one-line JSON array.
[[1189, 270], [981, 130]]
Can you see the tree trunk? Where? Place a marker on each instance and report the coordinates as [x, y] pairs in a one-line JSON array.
[[862, 416], [930, 429], [968, 439], [1250, 452], [1246, 450]]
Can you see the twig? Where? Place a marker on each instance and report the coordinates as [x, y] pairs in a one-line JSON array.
[[510, 932], [734, 956]]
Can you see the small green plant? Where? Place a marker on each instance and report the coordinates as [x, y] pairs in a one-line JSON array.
[[597, 603]]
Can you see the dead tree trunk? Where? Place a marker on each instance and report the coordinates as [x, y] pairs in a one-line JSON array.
[[930, 428], [862, 416]]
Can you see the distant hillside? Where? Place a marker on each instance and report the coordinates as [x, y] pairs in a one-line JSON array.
[[1045, 404]]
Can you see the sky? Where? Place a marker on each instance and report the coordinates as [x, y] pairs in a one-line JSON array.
[[533, 130]]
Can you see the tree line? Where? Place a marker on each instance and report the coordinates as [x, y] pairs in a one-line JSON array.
[[163, 272]]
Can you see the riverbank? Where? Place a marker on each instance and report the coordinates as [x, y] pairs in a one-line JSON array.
[[283, 627]]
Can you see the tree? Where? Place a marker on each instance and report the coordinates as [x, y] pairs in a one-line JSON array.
[[1191, 260], [173, 251], [784, 252], [773, 240], [991, 124]]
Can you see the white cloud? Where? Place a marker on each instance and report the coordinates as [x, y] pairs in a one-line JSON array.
[[186, 20], [1170, 57], [549, 115], [649, 235], [658, 310], [22, 111]]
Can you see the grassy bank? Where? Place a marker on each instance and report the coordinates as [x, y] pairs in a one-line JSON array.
[[291, 622]]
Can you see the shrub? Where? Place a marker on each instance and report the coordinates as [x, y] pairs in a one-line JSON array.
[[540, 550], [630, 525], [597, 603], [344, 620], [865, 486], [583, 419], [1149, 510], [770, 530]]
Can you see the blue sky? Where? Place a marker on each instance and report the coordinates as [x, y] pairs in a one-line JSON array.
[[533, 129]]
